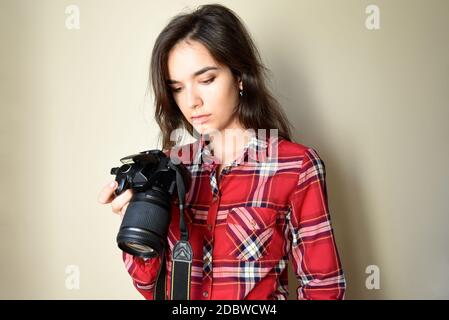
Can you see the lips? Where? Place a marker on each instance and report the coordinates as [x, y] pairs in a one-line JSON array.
[[200, 119], [200, 116]]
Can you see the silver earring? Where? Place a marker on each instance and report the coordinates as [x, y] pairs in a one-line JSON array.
[[241, 93]]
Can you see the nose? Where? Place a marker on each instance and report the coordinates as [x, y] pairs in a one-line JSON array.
[[193, 98]]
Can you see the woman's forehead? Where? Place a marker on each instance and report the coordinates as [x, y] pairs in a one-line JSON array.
[[186, 58]]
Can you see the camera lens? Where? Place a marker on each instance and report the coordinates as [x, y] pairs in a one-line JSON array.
[[140, 247], [145, 225]]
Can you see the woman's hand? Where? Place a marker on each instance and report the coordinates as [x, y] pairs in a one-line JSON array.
[[118, 204]]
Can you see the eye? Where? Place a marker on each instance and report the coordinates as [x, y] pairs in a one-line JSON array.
[[208, 80], [175, 90]]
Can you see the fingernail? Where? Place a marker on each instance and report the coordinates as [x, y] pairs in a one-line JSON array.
[[112, 185]]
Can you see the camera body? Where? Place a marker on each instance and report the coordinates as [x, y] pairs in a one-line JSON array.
[[155, 181]]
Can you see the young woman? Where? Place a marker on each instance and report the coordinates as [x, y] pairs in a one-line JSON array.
[[251, 205]]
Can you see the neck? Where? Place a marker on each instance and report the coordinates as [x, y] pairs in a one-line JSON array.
[[228, 144]]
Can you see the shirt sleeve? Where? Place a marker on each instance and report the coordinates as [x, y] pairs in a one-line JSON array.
[[143, 273], [313, 249]]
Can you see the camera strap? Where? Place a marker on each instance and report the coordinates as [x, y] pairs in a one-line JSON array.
[[182, 255], [180, 271], [160, 284], [180, 276]]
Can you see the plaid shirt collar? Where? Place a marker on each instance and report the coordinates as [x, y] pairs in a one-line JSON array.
[[255, 150]]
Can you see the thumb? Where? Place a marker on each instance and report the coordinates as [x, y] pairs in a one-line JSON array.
[[107, 193]]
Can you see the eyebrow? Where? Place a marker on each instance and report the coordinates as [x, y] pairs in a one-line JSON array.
[[195, 74]]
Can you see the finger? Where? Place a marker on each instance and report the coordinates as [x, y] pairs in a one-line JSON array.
[[123, 210], [118, 203], [107, 193]]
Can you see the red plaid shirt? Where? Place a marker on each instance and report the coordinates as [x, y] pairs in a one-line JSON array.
[[243, 230]]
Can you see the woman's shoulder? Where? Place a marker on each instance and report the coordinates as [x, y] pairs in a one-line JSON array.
[[305, 155], [294, 149]]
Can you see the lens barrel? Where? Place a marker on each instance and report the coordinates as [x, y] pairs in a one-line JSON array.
[[145, 224]]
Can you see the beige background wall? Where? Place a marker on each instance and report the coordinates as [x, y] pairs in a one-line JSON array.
[[373, 103]]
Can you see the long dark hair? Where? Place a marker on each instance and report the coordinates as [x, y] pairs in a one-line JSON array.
[[224, 35]]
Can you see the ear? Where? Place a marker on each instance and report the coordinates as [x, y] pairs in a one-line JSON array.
[[240, 83]]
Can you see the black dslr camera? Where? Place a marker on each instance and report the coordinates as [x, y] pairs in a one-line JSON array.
[[155, 180]]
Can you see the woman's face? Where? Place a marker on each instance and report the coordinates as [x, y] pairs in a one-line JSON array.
[[201, 86]]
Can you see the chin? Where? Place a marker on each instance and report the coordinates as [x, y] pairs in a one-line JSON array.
[[203, 129]]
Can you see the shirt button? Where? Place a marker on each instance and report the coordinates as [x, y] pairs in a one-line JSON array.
[[205, 294], [209, 226], [215, 198]]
